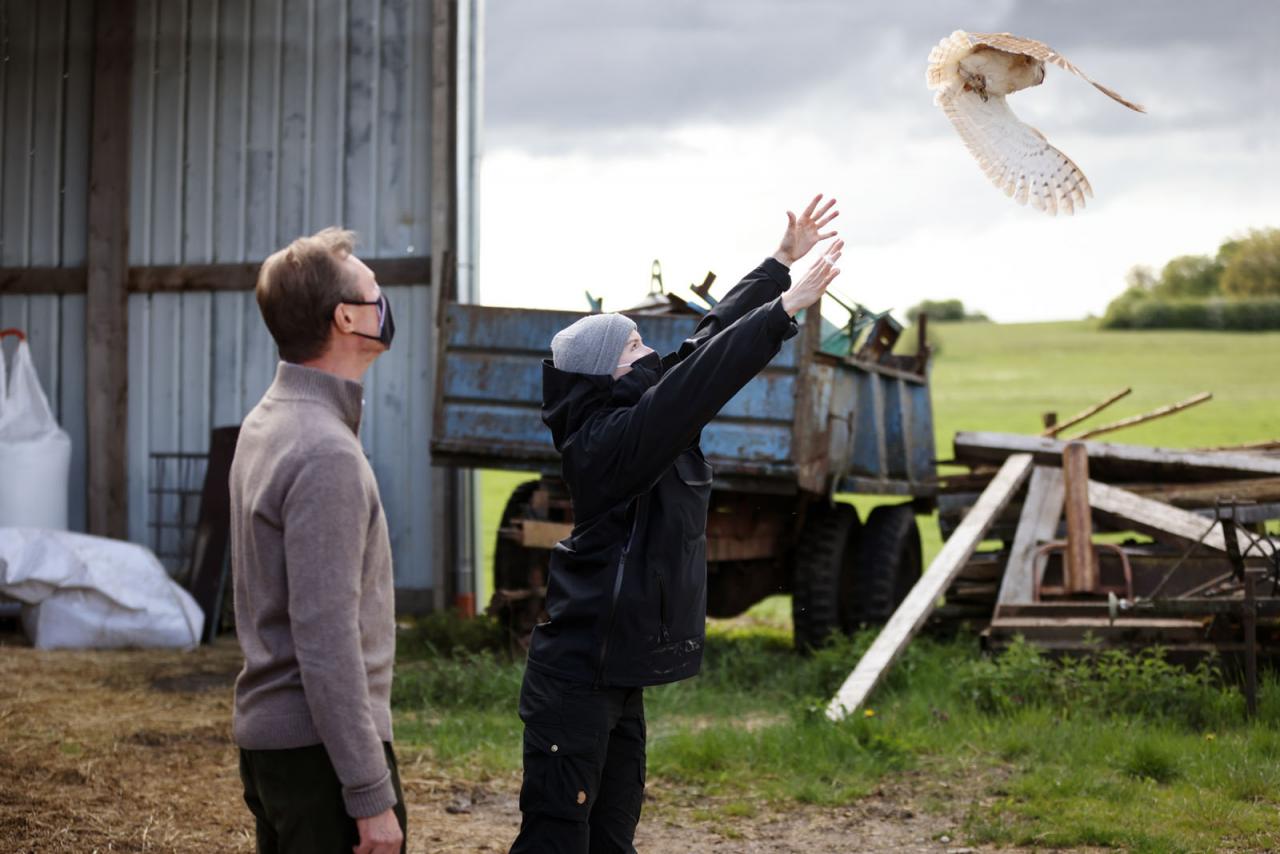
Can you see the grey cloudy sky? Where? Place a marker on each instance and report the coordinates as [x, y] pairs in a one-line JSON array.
[[642, 111], [565, 66]]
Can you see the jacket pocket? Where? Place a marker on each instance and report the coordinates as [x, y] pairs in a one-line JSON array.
[[562, 770], [694, 469], [694, 494]]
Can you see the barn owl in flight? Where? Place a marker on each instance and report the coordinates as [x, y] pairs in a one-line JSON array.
[[970, 74]]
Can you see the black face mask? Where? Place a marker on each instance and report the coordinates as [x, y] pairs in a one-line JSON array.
[[644, 374], [386, 323]]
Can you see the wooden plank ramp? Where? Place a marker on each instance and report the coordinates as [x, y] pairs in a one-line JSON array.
[[923, 598]]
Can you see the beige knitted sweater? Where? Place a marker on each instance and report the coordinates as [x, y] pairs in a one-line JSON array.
[[314, 594]]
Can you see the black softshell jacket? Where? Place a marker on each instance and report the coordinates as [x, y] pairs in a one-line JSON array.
[[627, 595]]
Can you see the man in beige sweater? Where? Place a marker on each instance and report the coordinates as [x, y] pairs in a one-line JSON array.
[[314, 594]]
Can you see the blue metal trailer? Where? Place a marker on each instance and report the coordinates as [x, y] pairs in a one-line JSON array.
[[812, 424]]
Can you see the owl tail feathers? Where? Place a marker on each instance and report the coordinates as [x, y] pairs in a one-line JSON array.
[[942, 76]]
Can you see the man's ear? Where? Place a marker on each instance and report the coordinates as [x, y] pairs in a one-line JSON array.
[[342, 318]]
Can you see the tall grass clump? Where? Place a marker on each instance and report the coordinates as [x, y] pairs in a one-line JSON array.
[[1110, 683]]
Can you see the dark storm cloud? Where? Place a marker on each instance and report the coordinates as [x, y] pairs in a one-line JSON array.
[[586, 73]]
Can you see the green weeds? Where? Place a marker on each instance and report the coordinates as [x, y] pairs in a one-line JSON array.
[[1109, 750]]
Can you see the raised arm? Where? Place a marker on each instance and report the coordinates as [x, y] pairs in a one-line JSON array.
[[767, 281], [638, 443]]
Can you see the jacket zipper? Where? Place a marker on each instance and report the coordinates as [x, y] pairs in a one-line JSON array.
[[617, 591], [663, 635]]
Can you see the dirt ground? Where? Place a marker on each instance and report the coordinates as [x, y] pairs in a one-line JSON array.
[[131, 751]]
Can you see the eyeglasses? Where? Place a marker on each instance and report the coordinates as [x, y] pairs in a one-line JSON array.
[[380, 302]]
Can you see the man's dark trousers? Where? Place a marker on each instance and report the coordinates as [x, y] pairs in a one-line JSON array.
[[584, 754], [296, 797]]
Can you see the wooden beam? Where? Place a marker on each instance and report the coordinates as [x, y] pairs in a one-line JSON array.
[[1038, 523], [42, 280], [244, 277], [452, 554], [1136, 462], [106, 303], [1260, 489], [159, 278], [1081, 568], [1145, 417], [1052, 430], [923, 598], [1162, 521], [1266, 445]]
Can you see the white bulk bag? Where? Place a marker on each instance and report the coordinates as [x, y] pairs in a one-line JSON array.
[[83, 592], [35, 453]]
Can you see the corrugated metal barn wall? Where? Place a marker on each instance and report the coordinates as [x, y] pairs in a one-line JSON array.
[[253, 121], [256, 121], [45, 65]]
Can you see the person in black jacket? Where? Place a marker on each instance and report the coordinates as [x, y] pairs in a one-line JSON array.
[[626, 597]]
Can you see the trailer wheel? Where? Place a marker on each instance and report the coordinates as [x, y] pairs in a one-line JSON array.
[[823, 573], [512, 562], [887, 566]]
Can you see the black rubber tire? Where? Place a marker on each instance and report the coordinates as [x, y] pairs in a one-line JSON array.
[[887, 565], [512, 561], [822, 572]]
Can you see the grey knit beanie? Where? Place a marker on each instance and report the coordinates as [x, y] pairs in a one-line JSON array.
[[591, 345]]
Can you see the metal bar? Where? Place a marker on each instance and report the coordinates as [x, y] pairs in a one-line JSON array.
[[1249, 620]]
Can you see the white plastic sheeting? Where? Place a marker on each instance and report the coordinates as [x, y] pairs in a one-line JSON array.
[[83, 592], [35, 453]]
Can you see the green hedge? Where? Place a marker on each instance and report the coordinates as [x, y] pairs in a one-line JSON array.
[[1132, 311]]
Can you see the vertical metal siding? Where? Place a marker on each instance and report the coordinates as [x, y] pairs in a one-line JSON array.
[[256, 121], [45, 69]]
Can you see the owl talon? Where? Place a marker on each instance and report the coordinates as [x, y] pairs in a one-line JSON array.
[[974, 82]]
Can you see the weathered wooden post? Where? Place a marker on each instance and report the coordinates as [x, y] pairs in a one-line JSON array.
[[1080, 575]]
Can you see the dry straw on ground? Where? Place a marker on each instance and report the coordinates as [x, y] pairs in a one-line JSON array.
[[131, 751]]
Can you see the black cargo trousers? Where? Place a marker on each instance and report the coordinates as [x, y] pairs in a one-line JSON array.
[[584, 755]]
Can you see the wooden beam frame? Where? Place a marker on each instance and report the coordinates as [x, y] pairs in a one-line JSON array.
[[106, 278], [42, 280], [177, 278], [452, 555], [1144, 463]]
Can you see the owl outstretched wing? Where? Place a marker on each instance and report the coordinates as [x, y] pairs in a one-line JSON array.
[[1010, 43], [1015, 156]]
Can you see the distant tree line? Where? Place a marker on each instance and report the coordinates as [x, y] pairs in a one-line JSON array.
[[946, 310], [1236, 289]]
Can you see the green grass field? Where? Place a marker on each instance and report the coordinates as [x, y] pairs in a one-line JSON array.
[[1051, 773], [1002, 377]]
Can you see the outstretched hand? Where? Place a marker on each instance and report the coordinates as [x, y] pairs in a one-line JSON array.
[[810, 289], [804, 231]]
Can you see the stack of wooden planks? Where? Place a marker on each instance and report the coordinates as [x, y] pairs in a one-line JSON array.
[[1185, 562], [1163, 498]]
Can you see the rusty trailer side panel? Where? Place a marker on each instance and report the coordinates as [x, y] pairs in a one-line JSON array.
[[804, 423]]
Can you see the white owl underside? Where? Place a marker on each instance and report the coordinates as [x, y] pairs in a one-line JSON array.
[[1015, 156]]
